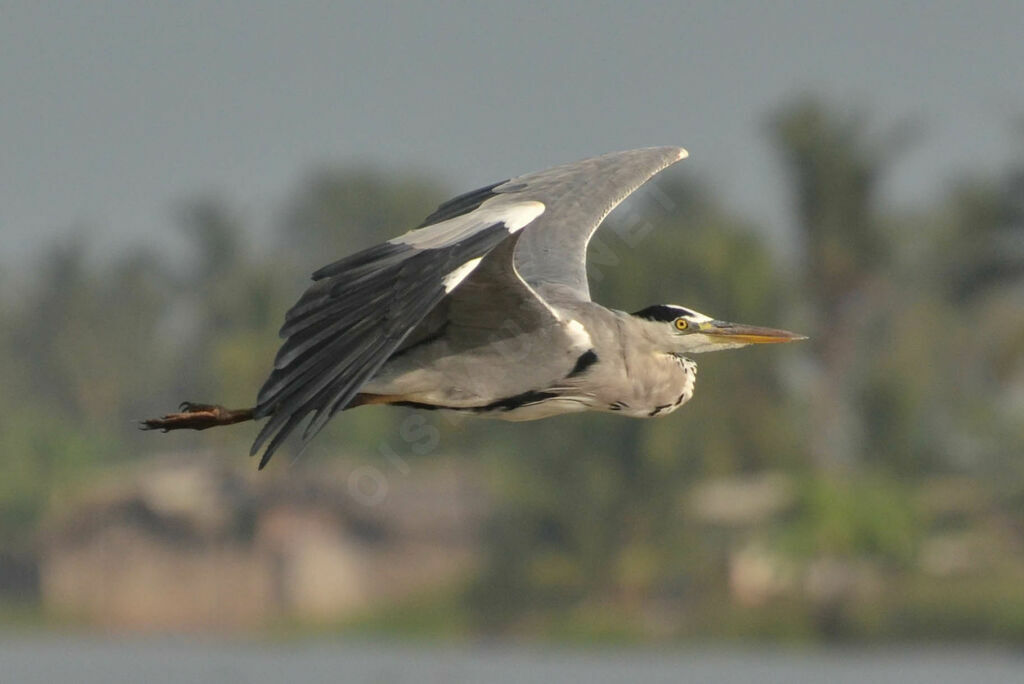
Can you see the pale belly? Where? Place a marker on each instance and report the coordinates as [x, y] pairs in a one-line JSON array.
[[644, 401], [542, 409], [657, 389], [561, 405]]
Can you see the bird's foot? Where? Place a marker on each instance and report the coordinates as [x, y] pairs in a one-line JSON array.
[[192, 416]]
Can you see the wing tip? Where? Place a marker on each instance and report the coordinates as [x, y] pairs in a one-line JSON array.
[[670, 154]]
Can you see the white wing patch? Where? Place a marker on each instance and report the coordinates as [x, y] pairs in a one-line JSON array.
[[452, 280], [579, 335], [522, 214], [513, 215]]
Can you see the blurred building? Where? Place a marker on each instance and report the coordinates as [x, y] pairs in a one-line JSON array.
[[184, 542]]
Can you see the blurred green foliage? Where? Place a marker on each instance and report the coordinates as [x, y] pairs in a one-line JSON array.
[[914, 376]]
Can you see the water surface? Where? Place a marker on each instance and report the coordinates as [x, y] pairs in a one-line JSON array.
[[47, 659]]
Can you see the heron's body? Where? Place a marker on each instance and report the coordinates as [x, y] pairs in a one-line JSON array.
[[484, 309], [608, 364]]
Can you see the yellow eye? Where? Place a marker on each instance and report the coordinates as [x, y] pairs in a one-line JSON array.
[[682, 324]]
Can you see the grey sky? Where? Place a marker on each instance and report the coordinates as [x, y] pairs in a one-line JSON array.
[[109, 112]]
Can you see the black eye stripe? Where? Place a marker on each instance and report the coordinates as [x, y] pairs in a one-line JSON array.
[[663, 312]]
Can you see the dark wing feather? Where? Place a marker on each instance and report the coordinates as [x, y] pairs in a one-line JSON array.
[[463, 204], [356, 315]]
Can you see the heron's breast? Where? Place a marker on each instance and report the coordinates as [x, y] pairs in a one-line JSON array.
[[657, 388]]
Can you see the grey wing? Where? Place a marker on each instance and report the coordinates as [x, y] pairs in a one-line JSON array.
[[492, 340], [551, 254], [362, 307]]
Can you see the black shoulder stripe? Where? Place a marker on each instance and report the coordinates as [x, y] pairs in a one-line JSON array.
[[585, 361], [463, 204]]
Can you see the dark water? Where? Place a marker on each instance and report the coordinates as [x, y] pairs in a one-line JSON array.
[[83, 660]]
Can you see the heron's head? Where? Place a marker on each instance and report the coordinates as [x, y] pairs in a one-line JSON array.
[[685, 331]]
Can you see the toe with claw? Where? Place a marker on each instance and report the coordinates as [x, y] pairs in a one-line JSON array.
[[194, 416]]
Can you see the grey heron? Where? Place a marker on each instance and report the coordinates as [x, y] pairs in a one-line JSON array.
[[484, 309]]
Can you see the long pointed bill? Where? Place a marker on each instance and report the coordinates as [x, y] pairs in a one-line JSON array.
[[747, 334]]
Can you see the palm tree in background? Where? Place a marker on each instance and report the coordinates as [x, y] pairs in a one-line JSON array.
[[835, 167]]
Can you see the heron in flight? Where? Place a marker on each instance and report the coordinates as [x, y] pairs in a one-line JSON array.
[[484, 309]]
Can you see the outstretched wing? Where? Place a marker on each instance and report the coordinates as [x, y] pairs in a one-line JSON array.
[[552, 253], [360, 309]]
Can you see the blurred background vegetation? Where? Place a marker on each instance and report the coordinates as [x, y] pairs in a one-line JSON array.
[[865, 485]]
